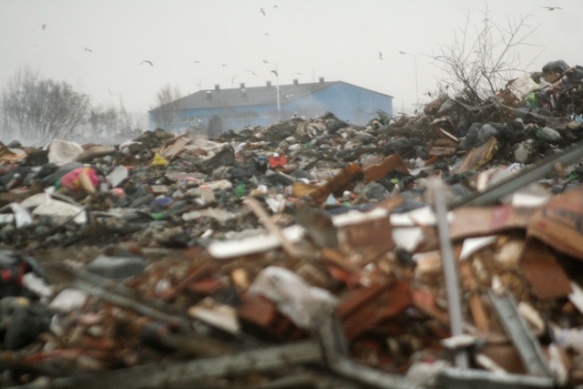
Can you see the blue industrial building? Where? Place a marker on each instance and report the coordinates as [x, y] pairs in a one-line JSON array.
[[236, 108]]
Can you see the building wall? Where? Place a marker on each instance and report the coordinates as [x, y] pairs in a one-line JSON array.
[[232, 118], [348, 102]]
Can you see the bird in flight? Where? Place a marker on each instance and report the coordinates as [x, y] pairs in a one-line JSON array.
[[88, 50], [262, 11], [237, 75], [274, 72], [380, 56], [552, 8], [148, 62], [44, 26]]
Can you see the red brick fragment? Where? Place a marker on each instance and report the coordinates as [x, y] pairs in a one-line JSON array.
[[206, 286], [261, 314], [367, 307]]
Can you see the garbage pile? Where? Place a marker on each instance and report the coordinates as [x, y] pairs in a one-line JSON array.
[[438, 250]]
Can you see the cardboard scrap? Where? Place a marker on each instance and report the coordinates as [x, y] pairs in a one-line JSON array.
[[480, 221], [301, 189], [479, 156], [379, 170], [169, 151], [373, 233], [318, 225], [475, 302], [9, 155], [337, 184], [539, 265], [159, 189], [442, 146], [559, 223]]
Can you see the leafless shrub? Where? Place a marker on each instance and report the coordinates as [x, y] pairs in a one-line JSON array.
[[110, 124], [482, 60]]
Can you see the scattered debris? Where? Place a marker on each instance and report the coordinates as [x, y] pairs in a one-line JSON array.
[[437, 250]]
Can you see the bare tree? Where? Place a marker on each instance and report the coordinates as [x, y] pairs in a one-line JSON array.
[[103, 121], [480, 62], [112, 122], [124, 119], [167, 106], [33, 108]]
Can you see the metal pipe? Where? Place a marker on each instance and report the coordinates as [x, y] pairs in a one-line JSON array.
[[435, 186], [522, 178], [416, 75]]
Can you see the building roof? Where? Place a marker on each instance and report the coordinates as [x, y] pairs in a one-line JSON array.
[[247, 96]]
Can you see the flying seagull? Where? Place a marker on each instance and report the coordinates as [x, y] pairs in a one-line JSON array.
[[248, 70], [87, 49], [380, 56], [262, 11], [148, 62], [552, 8], [274, 72]]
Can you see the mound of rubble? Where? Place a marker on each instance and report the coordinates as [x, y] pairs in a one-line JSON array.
[[438, 250]]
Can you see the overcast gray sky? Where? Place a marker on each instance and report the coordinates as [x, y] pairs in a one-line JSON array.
[[195, 44]]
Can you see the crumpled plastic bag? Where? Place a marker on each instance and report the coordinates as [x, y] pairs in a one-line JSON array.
[[83, 178], [159, 161], [305, 305], [62, 152], [277, 160]]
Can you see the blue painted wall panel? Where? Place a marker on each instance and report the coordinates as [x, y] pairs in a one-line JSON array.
[[348, 102]]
